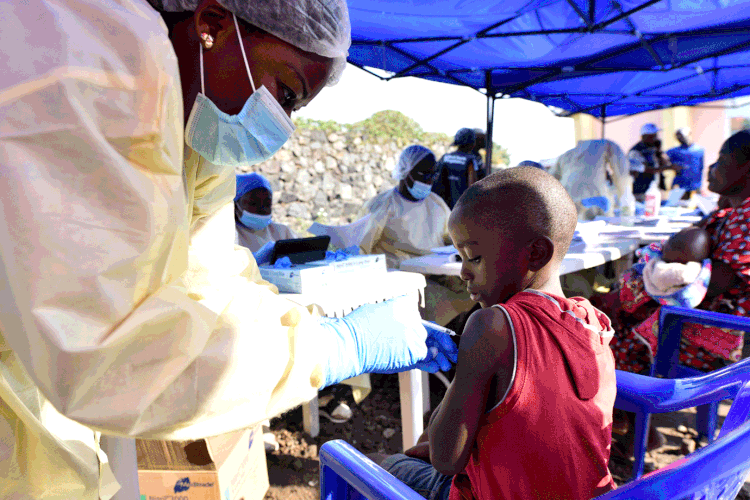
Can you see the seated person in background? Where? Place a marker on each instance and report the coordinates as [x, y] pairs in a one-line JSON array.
[[252, 213], [408, 221], [586, 171], [529, 412], [459, 169]]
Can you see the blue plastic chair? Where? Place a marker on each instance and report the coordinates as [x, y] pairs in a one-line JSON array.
[[666, 364], [645, 395], [714, 472]]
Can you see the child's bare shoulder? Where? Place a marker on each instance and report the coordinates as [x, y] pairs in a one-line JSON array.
[[487, 330]]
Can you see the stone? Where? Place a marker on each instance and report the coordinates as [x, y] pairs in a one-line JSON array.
[[357, 141], [298, 210], [331, 163], [315, 145], [333, 137], [304, 162], [377, 181], [329, 183], [283, 155], [371, 192], [318, 135], [688, 446], [345, 191], [277, 185], [350, 209], [389, 164], [305, 192], [287, 197], [271, 167], [296, 150], [319, 167], [320, 199], [302, 140], [339, 145], [389, 433], [303, 177]]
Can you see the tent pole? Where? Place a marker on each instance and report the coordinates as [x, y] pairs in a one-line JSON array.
[[604, 118], [490, 122]]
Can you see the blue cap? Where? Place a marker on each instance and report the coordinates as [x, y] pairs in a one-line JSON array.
[[465, 136], [248, 182]]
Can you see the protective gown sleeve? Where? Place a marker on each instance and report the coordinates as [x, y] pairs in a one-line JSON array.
[[125, 299]]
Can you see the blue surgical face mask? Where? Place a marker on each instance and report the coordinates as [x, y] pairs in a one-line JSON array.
[[419, 190], [255, 222], [241, 140]]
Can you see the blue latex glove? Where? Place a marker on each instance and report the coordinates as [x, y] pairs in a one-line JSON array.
[[388, 337], [263, 255]]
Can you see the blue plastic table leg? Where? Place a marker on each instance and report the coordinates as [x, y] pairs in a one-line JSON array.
[[642, 421]]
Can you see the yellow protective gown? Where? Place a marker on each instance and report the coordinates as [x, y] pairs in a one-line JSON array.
[[583, 172], [403, 229], [123, 301], [254, 240]]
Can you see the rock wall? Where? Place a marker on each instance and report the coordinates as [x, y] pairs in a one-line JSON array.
[[327, 176]]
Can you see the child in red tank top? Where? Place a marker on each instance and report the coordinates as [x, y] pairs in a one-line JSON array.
[[529, 412]]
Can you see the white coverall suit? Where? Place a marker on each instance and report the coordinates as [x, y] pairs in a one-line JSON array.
[[583, 173], [123, 301]]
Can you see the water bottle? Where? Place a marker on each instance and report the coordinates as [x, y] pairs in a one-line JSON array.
[[653, 198]]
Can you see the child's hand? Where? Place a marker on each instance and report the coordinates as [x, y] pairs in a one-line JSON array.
[[420, 451]]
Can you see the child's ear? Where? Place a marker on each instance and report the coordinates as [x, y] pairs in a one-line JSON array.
[[541, 250]]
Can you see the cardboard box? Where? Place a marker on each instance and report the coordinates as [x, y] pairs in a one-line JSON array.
[[305, 278], [317, 275], [227, 467]]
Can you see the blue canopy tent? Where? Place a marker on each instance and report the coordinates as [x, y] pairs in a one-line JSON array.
[[604, 58]]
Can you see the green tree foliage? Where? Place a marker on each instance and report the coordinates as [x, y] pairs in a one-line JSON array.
[[391, 125]]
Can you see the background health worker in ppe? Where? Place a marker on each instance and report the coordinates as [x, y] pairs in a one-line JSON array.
[[408, 221], [252, 214], [125, 307]]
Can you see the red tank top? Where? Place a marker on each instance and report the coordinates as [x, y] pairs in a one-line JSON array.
[[550, 436]]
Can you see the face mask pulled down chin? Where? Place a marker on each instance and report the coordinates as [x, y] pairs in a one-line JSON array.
[[242, 140]]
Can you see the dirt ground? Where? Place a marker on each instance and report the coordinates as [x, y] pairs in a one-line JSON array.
[[376, 427]]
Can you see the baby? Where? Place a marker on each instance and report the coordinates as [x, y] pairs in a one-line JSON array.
[[689, 245]]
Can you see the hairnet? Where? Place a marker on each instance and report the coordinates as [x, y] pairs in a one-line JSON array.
[[531, 163], [408, 159], [248, 182], [318, 26]]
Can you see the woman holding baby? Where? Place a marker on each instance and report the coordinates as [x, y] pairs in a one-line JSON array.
[[706, 266]]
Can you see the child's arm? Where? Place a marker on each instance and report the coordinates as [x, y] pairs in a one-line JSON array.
[[486, 349]]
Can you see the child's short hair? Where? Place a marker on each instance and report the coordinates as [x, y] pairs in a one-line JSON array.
[[523, 200]]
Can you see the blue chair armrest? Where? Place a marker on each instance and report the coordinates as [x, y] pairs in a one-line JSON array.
[[640, 393], [343, 468], [671, 319]]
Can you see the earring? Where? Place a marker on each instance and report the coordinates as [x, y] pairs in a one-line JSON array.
[[208, 40]]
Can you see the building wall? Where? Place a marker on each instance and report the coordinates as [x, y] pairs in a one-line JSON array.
[[710, 128]]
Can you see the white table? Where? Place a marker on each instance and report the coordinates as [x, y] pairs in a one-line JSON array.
[[663, 226], [590, 256], [413, 388]]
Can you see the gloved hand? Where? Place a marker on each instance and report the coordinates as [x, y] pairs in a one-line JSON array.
[[387, 337], [263, 255]]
